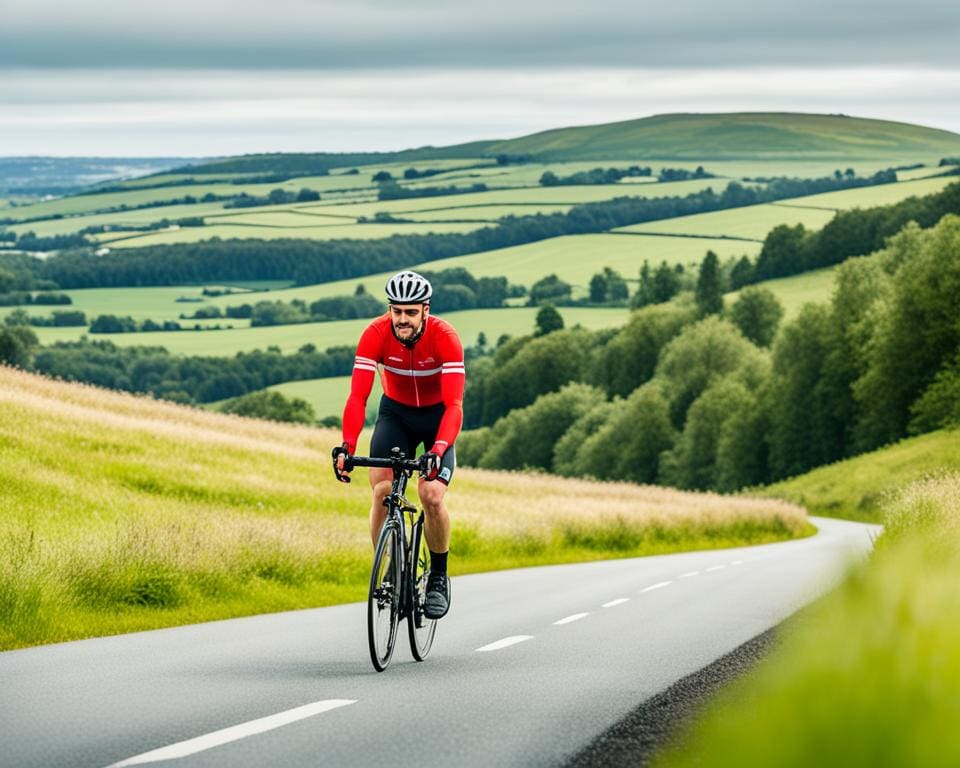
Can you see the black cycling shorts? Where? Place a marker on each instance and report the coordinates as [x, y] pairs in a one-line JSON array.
[[405, 427]]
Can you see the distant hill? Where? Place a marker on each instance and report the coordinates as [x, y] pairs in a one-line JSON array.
[[698, 137], [747, 135], [64, 175]]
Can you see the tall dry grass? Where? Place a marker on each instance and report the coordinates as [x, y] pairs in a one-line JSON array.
[[120, 512]]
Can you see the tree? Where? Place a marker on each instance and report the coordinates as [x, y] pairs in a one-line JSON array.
[[741, 274], [757, 313], [525, 437], [666, 283], [273, 406], [598, 288], [644, 294], [549, 179], [548, 320], [17, 344], [692, 463], [382, 176], [703, 353], [709, 294], [630, 357], [549, 290], [786, 251], [918, 337], [628, 444], [7, 281]]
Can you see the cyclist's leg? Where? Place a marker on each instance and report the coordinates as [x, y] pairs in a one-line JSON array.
[[432, 493], [388, 433]]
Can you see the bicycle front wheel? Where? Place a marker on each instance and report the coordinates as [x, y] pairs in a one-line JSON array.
[[383, 600], [420, 628]]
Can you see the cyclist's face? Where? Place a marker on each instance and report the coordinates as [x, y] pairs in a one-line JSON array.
[[407, 319]]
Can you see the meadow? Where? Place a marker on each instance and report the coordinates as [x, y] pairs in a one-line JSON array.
[[869, 675], [122, 513]]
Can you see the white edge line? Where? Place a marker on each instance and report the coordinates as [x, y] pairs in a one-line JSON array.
[[688, 575], [570, 619], [656, 586], [618, 601], [233, 733], [505, 643]]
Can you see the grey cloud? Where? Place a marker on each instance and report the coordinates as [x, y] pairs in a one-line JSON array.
[[494, 34]]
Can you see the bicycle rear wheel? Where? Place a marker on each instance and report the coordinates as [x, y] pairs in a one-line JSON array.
[[419, 627], [383, 600]]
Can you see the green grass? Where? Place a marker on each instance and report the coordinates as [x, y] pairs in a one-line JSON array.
[[122, 514], [855, 488], [869, 675], [289, 338], [753, 136]]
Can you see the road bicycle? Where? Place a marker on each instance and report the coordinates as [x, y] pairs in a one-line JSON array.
[[401, 564]]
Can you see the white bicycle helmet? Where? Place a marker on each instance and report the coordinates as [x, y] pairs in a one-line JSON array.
[[408, 288]]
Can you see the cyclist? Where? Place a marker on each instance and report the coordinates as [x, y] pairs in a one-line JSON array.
[[420, 361]]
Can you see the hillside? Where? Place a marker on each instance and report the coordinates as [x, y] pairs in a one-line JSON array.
[[121, 513], [856, 488], [737, 136]]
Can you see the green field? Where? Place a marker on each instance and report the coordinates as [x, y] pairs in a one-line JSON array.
[[752, 221], [328, 396], [866, 677], [289, 338], [121, 514], [855, 488]]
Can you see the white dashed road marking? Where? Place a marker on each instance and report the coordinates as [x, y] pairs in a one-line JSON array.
[[715, 568], [506, 642], [618, 601], [233, 733], [570, 619], [688, 575], [737, 562], [656, 586]]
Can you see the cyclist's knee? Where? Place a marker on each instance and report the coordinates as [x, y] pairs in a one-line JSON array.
[[431, 495]]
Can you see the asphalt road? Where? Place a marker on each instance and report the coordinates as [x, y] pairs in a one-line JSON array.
[[527, 669]]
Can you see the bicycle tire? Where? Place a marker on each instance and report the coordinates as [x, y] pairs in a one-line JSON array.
[[420, 629], [383, 598]]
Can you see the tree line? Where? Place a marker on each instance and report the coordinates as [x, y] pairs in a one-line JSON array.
[[699, 396], [154, 371]]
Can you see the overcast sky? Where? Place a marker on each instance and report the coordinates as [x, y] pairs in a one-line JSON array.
[[216, 77]]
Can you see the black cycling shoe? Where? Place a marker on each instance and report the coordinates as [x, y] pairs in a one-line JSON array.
[[437, 602]]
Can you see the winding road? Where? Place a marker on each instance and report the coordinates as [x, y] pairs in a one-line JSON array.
[[528, 668]]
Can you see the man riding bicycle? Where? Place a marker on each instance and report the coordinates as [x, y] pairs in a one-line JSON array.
[[420, 362]]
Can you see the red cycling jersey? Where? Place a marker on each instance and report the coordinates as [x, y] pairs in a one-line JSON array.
[[430, 372]]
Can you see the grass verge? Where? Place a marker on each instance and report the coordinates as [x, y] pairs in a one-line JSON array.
[[868, 676], [121, 513], [855, 488]]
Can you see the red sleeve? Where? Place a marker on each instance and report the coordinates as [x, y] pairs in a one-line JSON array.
[[452, 382], [369, 353]]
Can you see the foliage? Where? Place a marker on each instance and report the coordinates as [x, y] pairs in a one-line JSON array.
[[17, 345], [757, 313], [710, 288], [272, 406], [548, 320], [549, 290]]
